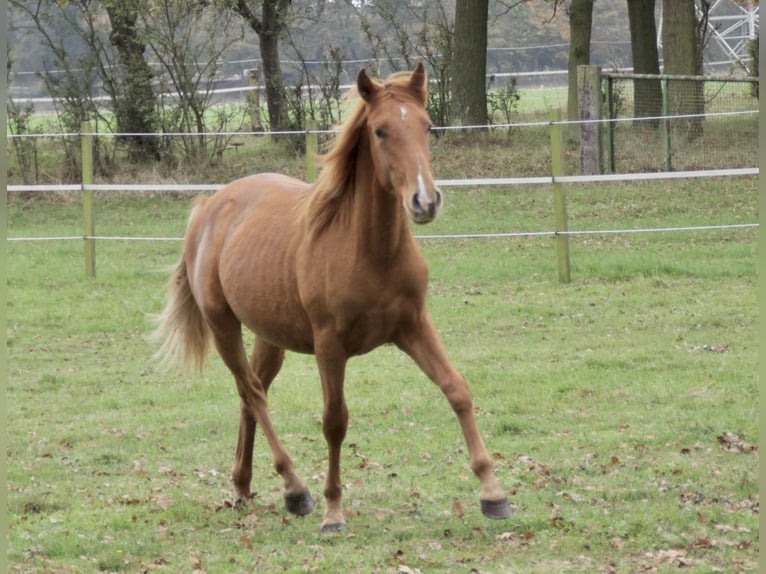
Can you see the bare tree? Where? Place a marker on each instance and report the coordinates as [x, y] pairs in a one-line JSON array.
[[402, 33], [580, 24], [189, 42], [268, 19], [131, 81], [73, 79]]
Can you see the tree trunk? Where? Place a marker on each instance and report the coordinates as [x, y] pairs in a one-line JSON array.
[[269, 27], [134, 98], [647, 94], [753, 48], [681, 51], [273, 23], [469, 65], [580, 22]]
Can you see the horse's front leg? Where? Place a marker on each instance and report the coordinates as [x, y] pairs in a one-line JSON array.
[[331, 360], [421, 341]]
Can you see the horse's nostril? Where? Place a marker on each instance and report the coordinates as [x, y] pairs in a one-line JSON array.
[[416, 203]]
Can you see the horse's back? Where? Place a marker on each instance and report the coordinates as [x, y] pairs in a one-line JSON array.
[[269, 192]]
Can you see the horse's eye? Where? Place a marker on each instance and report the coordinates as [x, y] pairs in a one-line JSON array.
[[380, 133]]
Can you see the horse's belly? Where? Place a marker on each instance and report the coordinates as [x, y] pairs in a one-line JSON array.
[[282, 327], [263, 296], [257, 274]]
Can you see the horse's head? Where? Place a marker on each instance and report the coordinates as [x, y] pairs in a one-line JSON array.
[[397, 128]]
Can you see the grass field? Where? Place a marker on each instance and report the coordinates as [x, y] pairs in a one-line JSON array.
[[621, 409]]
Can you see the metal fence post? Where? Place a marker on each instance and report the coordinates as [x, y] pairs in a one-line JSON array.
[[559, 199], [89, 225]]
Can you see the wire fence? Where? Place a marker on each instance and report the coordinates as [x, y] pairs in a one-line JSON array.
[[553, 163], [473, 182], [680, 122]]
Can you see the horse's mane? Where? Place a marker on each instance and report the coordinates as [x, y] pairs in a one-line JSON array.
[[338, 165]]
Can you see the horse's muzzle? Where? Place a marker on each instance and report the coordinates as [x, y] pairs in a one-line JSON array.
[[424, 208]]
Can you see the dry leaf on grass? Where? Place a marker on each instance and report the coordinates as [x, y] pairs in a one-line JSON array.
[[672, 557], [731, 442]]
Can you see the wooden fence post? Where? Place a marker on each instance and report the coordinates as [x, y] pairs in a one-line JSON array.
[[609, 114], [666, 127], [590, 108], [89, 225], [254, 101], [312, 149], [559, 198]]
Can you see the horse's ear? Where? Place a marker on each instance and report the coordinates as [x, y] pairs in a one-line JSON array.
[[365, 86], [419, 82]]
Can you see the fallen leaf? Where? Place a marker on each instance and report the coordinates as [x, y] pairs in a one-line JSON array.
[[673, 557], [728, 528], [457, 508], [163, 501], [701, 543], [731, 442], [245, 540], [711, 348], [617, 543], [196, 563]]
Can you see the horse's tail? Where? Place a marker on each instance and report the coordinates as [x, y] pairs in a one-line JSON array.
[[181, 330]]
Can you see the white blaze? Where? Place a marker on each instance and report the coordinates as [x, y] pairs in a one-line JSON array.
[[423, 198], [403, 110]]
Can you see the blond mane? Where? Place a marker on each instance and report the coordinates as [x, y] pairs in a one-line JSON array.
[[338, 165]]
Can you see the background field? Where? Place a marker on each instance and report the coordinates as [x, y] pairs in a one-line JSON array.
[[621, 409]]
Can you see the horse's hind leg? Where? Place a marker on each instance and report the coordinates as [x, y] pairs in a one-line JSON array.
[[265, 363], [227, 335]]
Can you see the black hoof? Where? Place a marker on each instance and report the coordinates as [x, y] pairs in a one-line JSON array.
[[332, 528], [497, 509], [299, 504]]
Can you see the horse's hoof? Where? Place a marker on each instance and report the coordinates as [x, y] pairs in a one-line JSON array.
[[299, 504], [332, 528], [242, 500], [497, 509]]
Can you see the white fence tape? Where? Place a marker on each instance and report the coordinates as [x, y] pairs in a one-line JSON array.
[[475, 182], [512, 234]]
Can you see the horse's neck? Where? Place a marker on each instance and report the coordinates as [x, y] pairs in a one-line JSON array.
[[378, 219]]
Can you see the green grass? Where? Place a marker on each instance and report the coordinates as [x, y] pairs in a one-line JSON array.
[[602, 401]]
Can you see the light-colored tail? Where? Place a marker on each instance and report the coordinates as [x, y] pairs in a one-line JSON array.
[[181, 330]]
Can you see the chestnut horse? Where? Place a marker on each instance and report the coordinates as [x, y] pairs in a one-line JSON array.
[[331, 269]]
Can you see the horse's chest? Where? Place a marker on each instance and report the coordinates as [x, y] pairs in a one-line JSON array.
[[362, 301], [366, 323]]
